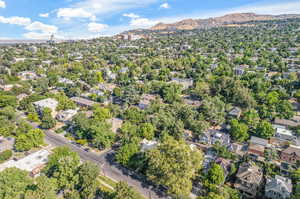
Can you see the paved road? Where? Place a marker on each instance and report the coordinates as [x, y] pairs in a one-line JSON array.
[[105, 162]]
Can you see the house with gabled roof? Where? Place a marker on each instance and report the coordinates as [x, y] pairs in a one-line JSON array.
[[278, 188], [291, 154], [248, 179]]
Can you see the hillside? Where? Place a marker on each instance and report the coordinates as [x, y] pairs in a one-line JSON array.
[[191, 24]]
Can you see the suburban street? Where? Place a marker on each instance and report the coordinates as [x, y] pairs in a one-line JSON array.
[[104, 160], [108, 168]]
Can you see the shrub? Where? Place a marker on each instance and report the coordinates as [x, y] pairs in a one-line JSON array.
[[5, 155]]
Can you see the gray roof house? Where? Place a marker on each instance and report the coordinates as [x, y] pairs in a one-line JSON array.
[[235, 112], [186, 83], [248, 179], [212, 137], [278, 188], [259, 141]]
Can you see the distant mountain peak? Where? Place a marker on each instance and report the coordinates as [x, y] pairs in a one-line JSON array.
[[190, 24]]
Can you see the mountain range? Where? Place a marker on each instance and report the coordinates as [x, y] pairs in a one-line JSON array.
[[230, 19]]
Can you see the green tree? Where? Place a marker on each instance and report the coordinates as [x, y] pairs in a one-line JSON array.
[[47, 120], [101, 114], [147, 131], [213, 195], [72, 194], [251, 118], [126, 152], [13, 183], [87, 184], [296, 175], [64, 103], [215, 175], [23, 143], [123, 191], [5, 155], [43, 188], [201, 89], [34, 138], [62, 166], [213, 109], [8, 100], [171, 93], [238, 131], [174, 164], [265, 129], [285, 109], [102, 136]]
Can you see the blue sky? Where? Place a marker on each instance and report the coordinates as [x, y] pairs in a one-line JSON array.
[[71, 19]]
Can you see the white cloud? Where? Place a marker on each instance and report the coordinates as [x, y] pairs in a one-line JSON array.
[[21, 21], [44, 28], [44, 15], [131, 15], [142, 23], [103, 7], [37, 35], [165, 6], [96, 27], [2, 4], [69, 13]]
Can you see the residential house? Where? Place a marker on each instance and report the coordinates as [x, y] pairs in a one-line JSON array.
[[83, 102], [248, 179], [27, 75], [256, 150], [63, 80], [110, 75], [146, 100], [21, 59], [291, 154], [284, 134], [95, 91], [240, 70], [116, 124], [257, 146], [186, 83], [294, 122], [278, 188], [46, 103], [189, 101], [66, 115], [214, 66], [21, 96], [238, 149], [6, 87], [147, 145], [212, 137], [32, 163], [107, 87], [124, 70], [235, 112]]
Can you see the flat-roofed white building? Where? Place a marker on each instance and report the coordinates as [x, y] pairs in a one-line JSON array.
[[32, 163], [46, 103]]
